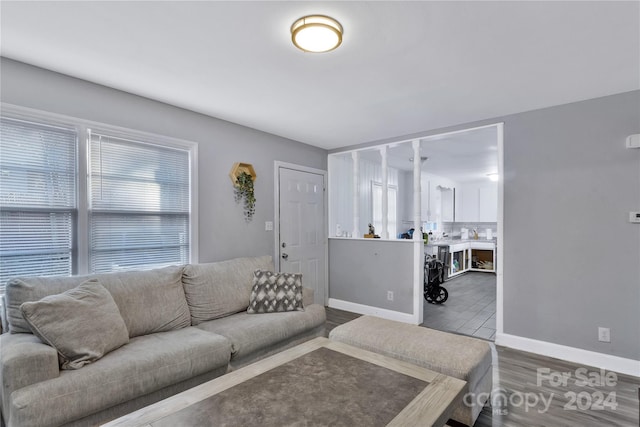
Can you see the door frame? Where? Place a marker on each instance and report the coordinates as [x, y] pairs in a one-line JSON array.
[[277, 165]]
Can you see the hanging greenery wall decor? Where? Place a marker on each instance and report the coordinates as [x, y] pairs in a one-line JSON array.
[[242, 175], [244, 191]]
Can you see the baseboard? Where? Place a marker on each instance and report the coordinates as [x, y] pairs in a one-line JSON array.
[[373, 311], [571, 354]]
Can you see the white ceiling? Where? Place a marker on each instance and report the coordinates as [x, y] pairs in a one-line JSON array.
[[403, 67]]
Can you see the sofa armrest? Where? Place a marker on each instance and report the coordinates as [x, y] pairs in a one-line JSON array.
[[3, 315], [24, 360], [308, 295]]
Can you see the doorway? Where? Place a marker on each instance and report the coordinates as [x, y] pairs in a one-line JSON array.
[[472, 160], [300, 225]]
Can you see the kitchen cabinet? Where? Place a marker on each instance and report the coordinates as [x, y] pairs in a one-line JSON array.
[[437, 201], [458, 259], [447, 200], [482, 256], [477, 203], [488, 203], [469, 203], [470, 255]]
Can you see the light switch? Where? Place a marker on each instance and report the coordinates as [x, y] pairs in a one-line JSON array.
[[268, 226]]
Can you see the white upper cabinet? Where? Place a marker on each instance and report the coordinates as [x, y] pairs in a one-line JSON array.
[[477, 202], [469, 204], [488, 202], [437, 198]]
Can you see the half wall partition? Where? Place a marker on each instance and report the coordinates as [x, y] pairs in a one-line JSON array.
[[381, 276]]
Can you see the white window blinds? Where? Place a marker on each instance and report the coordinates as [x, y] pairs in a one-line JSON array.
[[139, 204], [37, 199]]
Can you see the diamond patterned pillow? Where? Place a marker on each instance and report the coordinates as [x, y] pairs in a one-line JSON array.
[[275, 292]]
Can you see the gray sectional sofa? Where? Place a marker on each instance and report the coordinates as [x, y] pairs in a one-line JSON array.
[[187, 325]]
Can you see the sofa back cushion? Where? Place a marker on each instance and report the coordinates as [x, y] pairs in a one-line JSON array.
[[222, 288], [82, 324], [149, 301]]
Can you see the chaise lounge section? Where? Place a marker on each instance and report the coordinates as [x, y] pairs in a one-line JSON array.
[[457, 356]]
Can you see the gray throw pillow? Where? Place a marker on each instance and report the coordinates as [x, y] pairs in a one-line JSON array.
[[275, 292], [82, 324]]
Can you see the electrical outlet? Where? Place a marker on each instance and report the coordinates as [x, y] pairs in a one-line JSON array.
[[390, 295], [604, 334]]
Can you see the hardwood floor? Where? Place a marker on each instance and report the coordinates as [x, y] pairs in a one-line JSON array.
[[532, 390], [337, 317]]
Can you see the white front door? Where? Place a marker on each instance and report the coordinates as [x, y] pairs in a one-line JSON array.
[[302, 238]]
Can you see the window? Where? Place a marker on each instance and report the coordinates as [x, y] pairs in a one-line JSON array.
[[38, 178], [139, 210], [135, 211], [392, 198]]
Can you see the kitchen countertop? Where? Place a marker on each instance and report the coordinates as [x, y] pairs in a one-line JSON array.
[[448, 242]]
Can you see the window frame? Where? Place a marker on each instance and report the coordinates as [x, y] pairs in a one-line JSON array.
[[81, 237]]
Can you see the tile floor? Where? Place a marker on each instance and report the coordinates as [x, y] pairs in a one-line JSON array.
[[470, 309]]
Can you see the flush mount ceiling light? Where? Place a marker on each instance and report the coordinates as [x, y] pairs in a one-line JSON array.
[[316, 33]]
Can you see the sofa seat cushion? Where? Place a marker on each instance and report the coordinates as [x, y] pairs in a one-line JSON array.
[[249, 333], [222, 288], [149, 301], [144, 365]]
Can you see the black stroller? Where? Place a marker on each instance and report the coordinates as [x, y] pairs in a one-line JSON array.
[[433, 278]]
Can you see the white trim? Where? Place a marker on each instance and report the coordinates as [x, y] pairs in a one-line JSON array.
[[499, 250], [82, 230], [117, 131], [372, 311], [195, 207], [356, 194], [277, 165], [385, 196], [418, 282], [571, 354], [417, 191], [330, 215]]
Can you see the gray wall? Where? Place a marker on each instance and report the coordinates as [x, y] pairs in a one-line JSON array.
[[359, 272], [223, 232], [571, 258]]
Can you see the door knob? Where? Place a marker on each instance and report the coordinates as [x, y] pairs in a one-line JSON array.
[[284, 245], [285, 256]]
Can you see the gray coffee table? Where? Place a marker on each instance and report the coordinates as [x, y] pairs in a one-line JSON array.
[[316, 383]]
